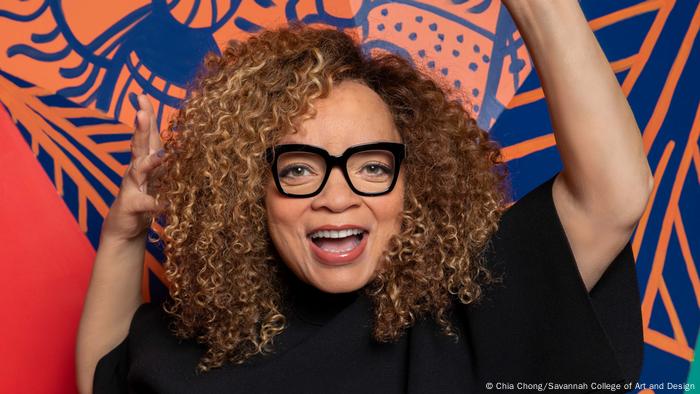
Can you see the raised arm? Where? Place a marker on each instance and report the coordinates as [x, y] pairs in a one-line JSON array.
[[605, 182], [114, 292]]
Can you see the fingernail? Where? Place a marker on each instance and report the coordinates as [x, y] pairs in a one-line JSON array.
[[161, 152], [134, 99]]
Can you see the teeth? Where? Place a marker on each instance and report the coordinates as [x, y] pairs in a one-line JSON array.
[[336, 234]]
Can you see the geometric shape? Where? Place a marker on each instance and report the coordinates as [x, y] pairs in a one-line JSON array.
[[46, 262], [659, 318]]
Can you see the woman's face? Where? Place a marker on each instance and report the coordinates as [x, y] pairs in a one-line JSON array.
[[352, 114]]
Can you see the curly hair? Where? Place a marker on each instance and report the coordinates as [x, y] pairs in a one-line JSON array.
[[223, 272]]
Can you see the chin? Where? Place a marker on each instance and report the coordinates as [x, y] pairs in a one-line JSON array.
[[340, 282]]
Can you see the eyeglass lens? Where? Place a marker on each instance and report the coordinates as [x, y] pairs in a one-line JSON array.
[[303, 172]]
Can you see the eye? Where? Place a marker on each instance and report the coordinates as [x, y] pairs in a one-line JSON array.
[[377, 169], [295, 170]]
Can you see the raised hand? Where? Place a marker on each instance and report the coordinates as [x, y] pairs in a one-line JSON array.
[[114, 292], [129, 216]]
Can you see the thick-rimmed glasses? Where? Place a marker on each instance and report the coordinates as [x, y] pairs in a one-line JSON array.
[[301, 170]]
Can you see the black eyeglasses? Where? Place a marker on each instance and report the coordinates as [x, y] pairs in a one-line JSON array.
[[301, 170]]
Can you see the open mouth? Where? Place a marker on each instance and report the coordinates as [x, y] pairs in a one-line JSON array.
[[338, 243]]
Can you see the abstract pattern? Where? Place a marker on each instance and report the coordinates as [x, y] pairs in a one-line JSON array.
[[70, 71]]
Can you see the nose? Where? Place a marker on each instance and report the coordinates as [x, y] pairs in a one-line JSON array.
[[336, 196]]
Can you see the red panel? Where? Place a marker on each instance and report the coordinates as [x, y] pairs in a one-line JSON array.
[[45, 263]]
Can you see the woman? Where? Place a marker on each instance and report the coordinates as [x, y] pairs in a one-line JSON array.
[[336, 224]]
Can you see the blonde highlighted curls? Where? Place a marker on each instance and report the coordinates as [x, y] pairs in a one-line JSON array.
[[226, 289]]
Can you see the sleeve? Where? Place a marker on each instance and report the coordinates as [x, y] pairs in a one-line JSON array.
[[540, 324], [112, 369]]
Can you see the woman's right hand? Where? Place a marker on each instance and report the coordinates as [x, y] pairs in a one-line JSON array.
[[114, 292], [129, 215]]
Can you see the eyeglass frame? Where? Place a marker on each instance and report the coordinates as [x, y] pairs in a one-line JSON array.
[[398, 149]]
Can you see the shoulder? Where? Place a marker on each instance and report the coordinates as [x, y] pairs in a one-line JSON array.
[[541, 310], [146, 316], [528, 229], [150, 326], [534, 208]]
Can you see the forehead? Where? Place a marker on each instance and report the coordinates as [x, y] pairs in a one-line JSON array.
[[352, 114]]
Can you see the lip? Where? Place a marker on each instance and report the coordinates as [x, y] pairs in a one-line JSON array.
[[329, 258]]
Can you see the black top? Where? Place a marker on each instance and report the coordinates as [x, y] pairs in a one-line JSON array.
[[540, 325]]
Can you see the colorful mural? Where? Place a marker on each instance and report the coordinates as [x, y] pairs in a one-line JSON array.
[[70, 71]]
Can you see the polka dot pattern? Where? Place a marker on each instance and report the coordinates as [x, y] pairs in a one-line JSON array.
[[456, 53]]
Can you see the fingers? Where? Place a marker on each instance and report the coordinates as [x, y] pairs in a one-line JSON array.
[[146, 204], [147, 154], [152, 161], [140, 169], [154, 141], [140, 139]]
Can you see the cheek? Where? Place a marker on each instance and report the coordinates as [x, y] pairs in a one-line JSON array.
[[399, 196], [276, 214], [399, 204], [389, 209], [283, 216]]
